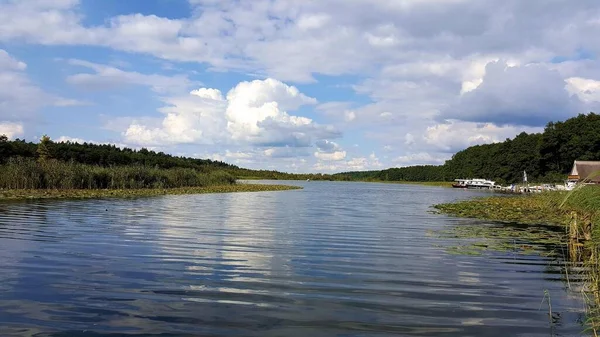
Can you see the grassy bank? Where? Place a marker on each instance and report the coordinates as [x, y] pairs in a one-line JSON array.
[[25, 178], [24, 194], [556, 208]]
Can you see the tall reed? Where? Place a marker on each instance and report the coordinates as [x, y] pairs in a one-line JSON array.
[[26, 173]]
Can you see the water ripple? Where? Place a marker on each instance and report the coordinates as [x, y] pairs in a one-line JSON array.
[[343, 259]]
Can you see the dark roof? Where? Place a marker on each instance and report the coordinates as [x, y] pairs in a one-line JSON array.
[[588, 170]]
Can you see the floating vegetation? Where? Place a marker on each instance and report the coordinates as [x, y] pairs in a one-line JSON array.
[[23, 194], [475, 239], [540, 224]]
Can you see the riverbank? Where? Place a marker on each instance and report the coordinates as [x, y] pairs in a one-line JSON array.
[[553, 208], [27, 194]]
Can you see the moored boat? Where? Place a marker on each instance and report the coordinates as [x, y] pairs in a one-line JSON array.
[[460, 183], [474, 184]]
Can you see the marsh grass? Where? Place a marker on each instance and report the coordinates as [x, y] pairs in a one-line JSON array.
[[26, 173]]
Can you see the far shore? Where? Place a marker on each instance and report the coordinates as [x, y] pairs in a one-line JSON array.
[[32, 194], [424, 183]]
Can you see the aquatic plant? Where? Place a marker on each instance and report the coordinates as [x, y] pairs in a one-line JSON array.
[[24, 194], [578, 211]]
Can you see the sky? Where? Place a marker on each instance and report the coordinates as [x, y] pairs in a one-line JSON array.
[[296, 85]]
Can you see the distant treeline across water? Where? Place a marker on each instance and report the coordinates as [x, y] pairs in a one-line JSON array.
[[546, 156]]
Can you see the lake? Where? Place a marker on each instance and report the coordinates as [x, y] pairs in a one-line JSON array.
[[333, 259]]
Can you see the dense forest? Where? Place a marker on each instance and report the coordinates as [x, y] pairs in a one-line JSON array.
[[546, 156], [104, 155]]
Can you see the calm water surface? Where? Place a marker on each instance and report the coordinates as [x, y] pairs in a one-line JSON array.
[[334, 259]]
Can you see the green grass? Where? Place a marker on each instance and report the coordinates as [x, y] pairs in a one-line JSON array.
[[24, 194], [543, 208]]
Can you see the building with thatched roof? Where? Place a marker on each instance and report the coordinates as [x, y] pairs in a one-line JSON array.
[[585, 171]]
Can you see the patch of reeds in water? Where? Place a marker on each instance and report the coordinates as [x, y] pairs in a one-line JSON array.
[[26, 194], [25, 173]]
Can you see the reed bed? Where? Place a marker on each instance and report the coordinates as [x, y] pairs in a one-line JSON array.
[[544, 208], [26, 173]]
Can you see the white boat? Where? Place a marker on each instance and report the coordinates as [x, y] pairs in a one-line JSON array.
[[481, 184], [475, 184]]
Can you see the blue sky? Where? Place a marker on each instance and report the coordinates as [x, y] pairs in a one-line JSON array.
[[299, 86]]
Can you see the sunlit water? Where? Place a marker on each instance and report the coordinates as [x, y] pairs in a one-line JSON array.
[[333, 259]]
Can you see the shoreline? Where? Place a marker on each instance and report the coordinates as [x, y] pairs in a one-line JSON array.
[[446, 184], [37, 194], [546, 208]]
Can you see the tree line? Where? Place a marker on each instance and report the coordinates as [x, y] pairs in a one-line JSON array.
[[107, 155], [546, 156]]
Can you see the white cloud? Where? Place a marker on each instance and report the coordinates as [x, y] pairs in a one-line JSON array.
[[529, 95], [337, 155], [353, 164], [419, 63], [329, 151], [7, 62], [11, 130], [285, 152], [20, 98], [292, 40], [586, 89], [64, 139], [455, 135], [421, 158], [107, 77], [251, 113], [251, 103]]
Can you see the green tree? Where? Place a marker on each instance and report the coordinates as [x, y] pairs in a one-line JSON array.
[[43, 149]]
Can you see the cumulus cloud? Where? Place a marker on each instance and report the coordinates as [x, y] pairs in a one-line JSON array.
[[263, 103], [529, 95], [285, 152], [421, 158], [329, 151], [354, 164], [253, 112], [456, 135], [586, 89], [11, 130], [413, 64], [293, 40], [334, 156], [64, 139]]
